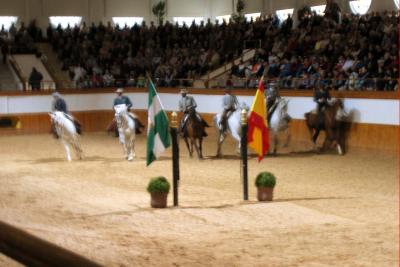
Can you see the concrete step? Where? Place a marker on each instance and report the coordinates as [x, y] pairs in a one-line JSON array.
[[7, 81], [54, 65]]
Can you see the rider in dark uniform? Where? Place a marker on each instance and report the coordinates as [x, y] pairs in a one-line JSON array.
[[321, 97], [59, 103], [121, 99]]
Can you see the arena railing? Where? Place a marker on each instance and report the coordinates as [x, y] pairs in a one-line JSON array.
[[33, 251], [304, 84]]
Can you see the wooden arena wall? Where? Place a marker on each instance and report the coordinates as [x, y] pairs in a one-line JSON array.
[[363, 135]]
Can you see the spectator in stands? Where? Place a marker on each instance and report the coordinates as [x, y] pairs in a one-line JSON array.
[[332, 10], [35, 78], [5, 51]]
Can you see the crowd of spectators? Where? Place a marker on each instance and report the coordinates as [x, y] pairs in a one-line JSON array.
[[21, 40], [348, 52], [104, 55], [356, 53]]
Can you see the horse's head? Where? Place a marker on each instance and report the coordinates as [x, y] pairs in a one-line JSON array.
[[283, 105], [55, 116], [340, 113], [120, 109]]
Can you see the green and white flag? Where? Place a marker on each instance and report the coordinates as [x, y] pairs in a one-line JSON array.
[[157, 128]]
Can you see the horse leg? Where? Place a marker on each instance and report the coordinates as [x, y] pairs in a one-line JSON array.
[[201, 147], [128, 147], [77, 148], [187, 145], [275, 136], [315, 137], [121, 135], [339, 141], [288, 137], [67, 151], [221, 139], [197, 147], [133, 153]]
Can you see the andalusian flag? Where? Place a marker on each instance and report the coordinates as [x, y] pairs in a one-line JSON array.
[[157, 127], [257, 134]]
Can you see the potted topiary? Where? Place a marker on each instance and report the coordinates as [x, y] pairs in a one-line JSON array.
[[265, 182], [158, 189]]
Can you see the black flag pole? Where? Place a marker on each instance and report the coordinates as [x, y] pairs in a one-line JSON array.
[[243, 153], [175, 156]]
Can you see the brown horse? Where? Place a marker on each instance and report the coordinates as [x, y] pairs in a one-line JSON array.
[[333, 125], [193, 133]]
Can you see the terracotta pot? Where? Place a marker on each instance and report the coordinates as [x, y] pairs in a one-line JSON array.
[[265, 193], [159, 200]]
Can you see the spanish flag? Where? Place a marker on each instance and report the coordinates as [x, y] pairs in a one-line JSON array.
[[257, 134]]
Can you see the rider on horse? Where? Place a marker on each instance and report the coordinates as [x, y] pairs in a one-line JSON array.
[[273, 98], [321, 97], [121, 99], [59, 104], [186, 105], [230, 104]]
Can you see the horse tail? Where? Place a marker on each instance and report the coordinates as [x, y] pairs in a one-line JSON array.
[[307, 116], [78, 127], [139, 126]]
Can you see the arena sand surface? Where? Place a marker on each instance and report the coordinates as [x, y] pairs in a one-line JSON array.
[[329, 210]]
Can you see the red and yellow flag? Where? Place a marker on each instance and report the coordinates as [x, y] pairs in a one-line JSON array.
[[257, 133]]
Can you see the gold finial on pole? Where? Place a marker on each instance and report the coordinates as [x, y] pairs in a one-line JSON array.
[[174, 120], [243, 117]]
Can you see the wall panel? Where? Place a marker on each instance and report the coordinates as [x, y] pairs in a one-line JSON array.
[[66, 8], [127, 8], [221, 8], [12, 8], [252, 6], [369, 136], [188, 8]]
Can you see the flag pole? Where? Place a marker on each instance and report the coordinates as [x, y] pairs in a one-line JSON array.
[[243, 153], [175, 156]]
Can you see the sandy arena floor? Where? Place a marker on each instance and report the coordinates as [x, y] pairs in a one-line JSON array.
[[329, 210]]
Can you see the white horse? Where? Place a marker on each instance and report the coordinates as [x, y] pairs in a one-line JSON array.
[[279, 122], [67, 132], [126, 130], [234, 128]]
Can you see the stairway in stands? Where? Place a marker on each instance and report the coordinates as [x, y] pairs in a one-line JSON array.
[[7, 81], [54, 66], [215, 77]]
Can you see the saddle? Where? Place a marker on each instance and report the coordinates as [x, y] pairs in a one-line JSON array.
[[78, 125], [184, 120]]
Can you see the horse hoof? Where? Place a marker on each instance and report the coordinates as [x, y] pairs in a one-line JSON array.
[[130, 158]]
